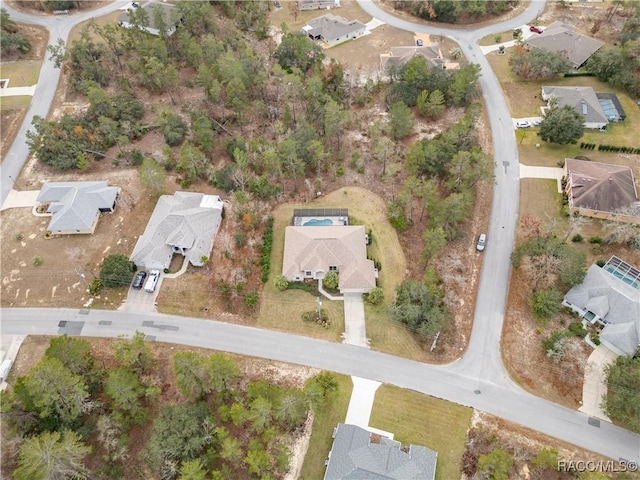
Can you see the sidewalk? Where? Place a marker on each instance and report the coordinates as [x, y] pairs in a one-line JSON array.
[[18, 91]]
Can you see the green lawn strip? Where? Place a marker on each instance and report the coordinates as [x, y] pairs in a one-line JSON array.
[[539, 197], [21, 73], [419, 419], [14, 103], [491, 38], [389, 336], [324, 422]]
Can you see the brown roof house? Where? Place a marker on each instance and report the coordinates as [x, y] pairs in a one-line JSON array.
[[312, 251], [146, 16], [562, 39], [333, 30], [610, 297], [601, 190], [76, 206], [582, 99], [359, 454]]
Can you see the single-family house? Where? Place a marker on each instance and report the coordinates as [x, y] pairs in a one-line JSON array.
[[318, 4], [610, 296], [333, 30], [398, 57], [359, 454], [312, 251], [600, 190], [582, 99], [562, 39], [184, 223], [76, 206], [150, 18]]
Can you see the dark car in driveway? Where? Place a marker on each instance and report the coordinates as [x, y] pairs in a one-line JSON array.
[[535, 29], [138, 280]]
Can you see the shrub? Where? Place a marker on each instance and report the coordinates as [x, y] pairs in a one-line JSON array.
[[136, 157], [577, 238], [265, 250], [95, 287], [595, 240], [281, 283], [545, 304], [375, 296], [117, 271], [18, 237], [173, 129], [251, 299], [38, 260], [595, 338], [330, 281], [554, 345], [577, 329], [339, 172]]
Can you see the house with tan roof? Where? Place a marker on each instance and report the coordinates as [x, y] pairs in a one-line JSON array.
[[601, 190], [75, 207], [312, 251], [184, 223], [610, 297], [333, 30], [562, 39]]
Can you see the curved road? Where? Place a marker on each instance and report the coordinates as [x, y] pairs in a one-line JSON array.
[[500, 399], [478, 380]]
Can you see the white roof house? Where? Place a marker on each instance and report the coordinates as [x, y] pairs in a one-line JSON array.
[[76, 206], [610, 296], [311, 252], [184, 223], [333, 30]]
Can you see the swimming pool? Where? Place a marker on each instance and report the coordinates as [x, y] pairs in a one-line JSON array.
[[318, 222]]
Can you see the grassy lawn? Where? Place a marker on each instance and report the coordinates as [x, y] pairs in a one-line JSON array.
[[422, 420], [491, 39], [323, 424], [21, 73], [282, 310], [14, 103], [389, 336], [523, 98], [540, 197], [104, 20]]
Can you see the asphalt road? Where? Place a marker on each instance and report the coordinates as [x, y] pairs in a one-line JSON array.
[[478, 380], [503, 400], [59, 27]]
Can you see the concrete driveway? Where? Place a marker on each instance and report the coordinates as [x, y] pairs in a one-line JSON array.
[[141, 301], [22, 199], [354, 326], [594, 387]]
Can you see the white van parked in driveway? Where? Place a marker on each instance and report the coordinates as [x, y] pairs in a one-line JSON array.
[[152, 281]]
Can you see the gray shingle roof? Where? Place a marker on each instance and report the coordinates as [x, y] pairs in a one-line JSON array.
[[186, 222], [562, 39], [76, 205], [582, 99], [150, 8], [330, 27], [618, 301], [360, 455], [600, 186], [400, 56]]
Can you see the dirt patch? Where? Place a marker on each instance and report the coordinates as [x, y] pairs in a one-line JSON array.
[[522, 444]]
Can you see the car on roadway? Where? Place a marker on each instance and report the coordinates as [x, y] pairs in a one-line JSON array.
[[419, 42], [482, 242], [535, 29], [523, 124], [152, 281], [138, 280], [537, 122]]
